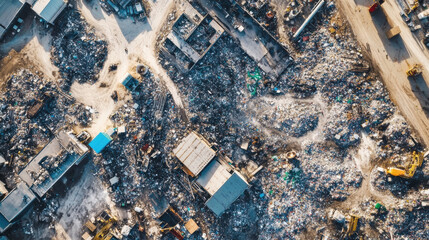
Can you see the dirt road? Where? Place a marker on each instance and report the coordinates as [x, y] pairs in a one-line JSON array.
[[392, 58], [139, 40]]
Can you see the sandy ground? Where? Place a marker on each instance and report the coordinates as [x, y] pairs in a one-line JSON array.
[[139, 39], [86, 199], [393, 58]]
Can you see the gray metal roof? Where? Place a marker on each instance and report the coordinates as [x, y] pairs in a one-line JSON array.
[[49, 9], [8, 11], [194, 153], [63, 151], [213, 177], [16, 202], [227, 194]]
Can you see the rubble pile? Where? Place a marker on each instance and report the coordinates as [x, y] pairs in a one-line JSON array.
[[200, 38], [135, 156], [76, 50], [20, 135], [285, 115], [264, 13], [398, 131], [297, 190], [343, 126], [214, 89]]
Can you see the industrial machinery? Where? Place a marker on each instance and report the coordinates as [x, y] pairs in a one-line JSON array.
[[414, 6], [352, 225], [101, 228], [409, 170], [415, 70], [375, 7]]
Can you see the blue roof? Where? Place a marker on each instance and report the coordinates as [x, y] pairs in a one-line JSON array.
[[227, 194], [100, 142]]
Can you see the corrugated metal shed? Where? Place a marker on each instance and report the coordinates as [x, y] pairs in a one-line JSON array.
[[65, 150], [100, 142], [49, 9], [8, 11], [227, 194], [16, 202], [194, 153], [213, 177]]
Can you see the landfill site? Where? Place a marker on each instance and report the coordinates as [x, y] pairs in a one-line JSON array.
[[214, 119]]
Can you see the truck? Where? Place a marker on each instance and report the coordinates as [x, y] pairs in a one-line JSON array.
[[393, 29]]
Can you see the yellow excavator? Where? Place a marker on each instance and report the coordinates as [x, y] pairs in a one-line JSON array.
[[415, 70], [409, 170], [352, 226], [104, 233]]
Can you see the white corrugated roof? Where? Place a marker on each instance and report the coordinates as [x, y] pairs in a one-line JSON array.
[[49, 9], [194, 153], [213, 177]]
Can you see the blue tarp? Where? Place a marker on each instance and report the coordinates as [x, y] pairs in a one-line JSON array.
[[100, 142]]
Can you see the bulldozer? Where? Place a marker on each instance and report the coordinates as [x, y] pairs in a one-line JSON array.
[[415, 70], [409, 170]]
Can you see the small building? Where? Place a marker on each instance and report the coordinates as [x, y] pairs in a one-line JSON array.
[[220, 180], [15, 203], [49, 10], [223, 184], [191, 226], [227, 193], [130, 83], [100, 142], [195, 153], [9, 9], [50, 164], [169, 218]]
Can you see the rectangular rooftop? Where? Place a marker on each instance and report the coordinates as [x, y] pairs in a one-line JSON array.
[[194, 152], [16, 202], [50, 164]]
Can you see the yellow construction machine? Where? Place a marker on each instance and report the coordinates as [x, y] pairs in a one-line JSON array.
[[415, 70], [409, 170], [352, 226], [414, 6], [104, 232]]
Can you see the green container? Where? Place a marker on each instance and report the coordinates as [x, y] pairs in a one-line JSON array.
[[378, 206]]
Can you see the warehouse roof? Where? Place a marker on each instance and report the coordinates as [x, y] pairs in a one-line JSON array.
[[8, 11], [227, 194], [49, 9], [213, 177], [16, 202], [100, 142], [50, 164], [194, 152]]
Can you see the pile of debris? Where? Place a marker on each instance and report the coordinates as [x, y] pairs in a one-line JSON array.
[[31, 109], [142, 131], [285, 115], [125, 8], [76, 50]]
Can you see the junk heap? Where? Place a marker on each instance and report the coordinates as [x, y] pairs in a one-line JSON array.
[[76, 50], [31, 110], [323, 108]]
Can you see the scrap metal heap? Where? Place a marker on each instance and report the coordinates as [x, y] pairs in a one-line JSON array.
[[309, 148], [21, 136], [76, 50]]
